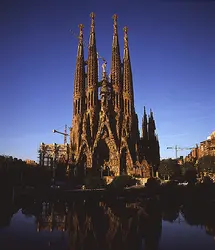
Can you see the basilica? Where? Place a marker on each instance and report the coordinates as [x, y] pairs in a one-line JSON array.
[[104, 135]]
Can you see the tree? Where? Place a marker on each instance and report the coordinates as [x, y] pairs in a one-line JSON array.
[[191, 176], [186, 166], [207, 164], [207, 181], [120, 182], [169, 168]]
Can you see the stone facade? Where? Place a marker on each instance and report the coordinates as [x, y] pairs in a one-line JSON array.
[[205, 148], [104, 134]]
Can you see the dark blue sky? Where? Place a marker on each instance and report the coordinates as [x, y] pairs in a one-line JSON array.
[[172, 47]]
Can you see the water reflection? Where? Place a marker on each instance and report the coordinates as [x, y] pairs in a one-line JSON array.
[[52, 216], [100, 225], [110, 227]]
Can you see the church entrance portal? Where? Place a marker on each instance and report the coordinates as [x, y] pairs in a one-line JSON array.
[[101, 159], [81, 171], [123, 169]]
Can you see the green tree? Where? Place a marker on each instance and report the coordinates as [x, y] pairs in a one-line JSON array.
[[120, 182], [191, 176], [207, 164], [169, 169], [186, 166]]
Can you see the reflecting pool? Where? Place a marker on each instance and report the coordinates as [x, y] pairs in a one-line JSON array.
[[98, 225]]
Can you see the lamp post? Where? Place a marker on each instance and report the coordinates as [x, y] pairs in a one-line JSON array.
[[101, 169]]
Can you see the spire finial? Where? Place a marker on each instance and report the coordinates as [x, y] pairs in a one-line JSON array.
[[144, 110], [115, 17], [125, 36], [81, 27], [151, 113], [92, 15]]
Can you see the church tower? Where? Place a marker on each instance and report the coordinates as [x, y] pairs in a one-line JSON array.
[[78, 96], [153, 144], [130, 120], [116, 79], [92, 82], [128, 92], [145, 137]]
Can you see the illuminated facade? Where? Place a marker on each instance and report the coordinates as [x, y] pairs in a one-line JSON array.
[[104, 133], [205, 148]]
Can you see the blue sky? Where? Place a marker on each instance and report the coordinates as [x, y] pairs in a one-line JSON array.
[[172, 53]]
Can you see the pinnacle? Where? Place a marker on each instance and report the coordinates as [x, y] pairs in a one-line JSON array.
[[92, 15]]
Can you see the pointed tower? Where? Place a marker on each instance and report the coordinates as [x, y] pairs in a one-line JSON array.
[[130, 130], [154, 148], [145, 125], [92, 79], [151, 127], [128, 92], [78, 95], [144, 140], [116, 78]]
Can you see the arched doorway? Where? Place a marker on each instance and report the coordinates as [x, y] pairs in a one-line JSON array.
[[123, 168], [81, 170], [100, 157]]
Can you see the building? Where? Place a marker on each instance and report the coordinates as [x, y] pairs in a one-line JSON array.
[[31, 162], [104, 134], [53, 153], [194, 154], [205, 148]]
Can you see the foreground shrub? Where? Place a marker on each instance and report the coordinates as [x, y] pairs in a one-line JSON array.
[[94, 182], [120, 182], [153, 183]]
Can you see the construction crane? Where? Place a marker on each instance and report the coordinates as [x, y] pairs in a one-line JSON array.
[[86, 46], [62, 133], [176, 148]]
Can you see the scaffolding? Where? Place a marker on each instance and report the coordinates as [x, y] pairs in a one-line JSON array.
[[50, 154]]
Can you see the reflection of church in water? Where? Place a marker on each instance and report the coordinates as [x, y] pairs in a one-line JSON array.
[[52, 218], [100, 226], [104, 129]]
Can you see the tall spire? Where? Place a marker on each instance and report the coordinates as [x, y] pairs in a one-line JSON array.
[[79, 81], [115, 33], [116, 63], [78, 95], [92, 69], [152, 121], [144, 125], [116, 76], [127, 77], [92, 31], [92, 79], [80, 44]]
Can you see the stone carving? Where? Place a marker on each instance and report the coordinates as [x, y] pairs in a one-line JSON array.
[[104, 65]]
